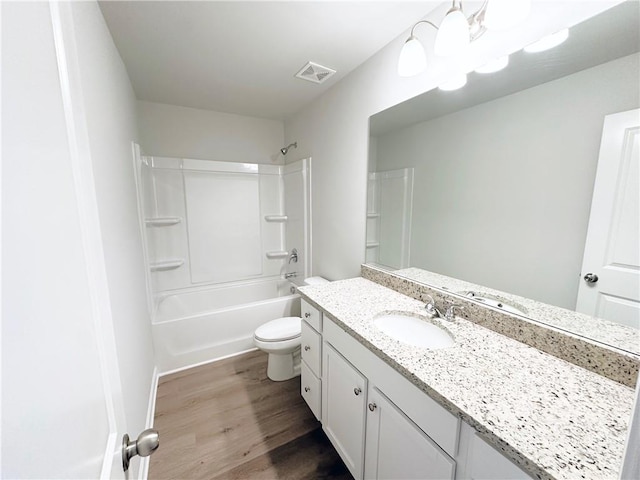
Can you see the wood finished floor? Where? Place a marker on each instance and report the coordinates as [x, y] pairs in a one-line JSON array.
[[227, 420]]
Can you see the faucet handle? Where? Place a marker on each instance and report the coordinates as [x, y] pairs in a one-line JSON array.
[[430, 307], [451, 312]]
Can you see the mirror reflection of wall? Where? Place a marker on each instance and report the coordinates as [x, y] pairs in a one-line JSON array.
[[505, 185]]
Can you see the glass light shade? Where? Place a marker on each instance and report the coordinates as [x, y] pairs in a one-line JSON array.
[[412, 59], [454, 83], [548, 42], [505, 14], [453, 34], [494, 65]]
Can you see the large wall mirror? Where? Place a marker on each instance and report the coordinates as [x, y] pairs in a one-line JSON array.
[[491, 185]]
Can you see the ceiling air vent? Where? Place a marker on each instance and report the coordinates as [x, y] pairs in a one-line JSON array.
[[315, 73]]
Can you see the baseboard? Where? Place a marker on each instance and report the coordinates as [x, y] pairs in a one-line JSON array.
[[187, 367], [143, 471]]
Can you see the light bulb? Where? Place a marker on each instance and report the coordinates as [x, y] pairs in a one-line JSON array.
[[505, 14], [412, 59], [494, 65], [548, 42], [453, 34], [454, 83]]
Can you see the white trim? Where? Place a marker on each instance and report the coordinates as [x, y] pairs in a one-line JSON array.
[[90, 232], [199, 364], [143, 471]]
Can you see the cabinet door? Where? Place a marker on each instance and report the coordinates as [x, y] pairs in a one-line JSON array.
[[397, 448], [344, 393]]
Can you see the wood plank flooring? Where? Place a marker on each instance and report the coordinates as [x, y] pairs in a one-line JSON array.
[[227, 420]]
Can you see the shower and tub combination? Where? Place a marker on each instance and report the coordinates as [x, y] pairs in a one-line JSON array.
[[219, 246]]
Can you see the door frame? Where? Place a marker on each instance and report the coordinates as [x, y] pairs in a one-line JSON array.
[[90, 231]]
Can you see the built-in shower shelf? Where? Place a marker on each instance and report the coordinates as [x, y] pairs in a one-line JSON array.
[[373, 244], [373, 215], [161, 221], [276, 218], [277, 255], [168, 264]]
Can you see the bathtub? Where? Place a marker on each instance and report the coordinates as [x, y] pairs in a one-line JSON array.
[[199, 326]]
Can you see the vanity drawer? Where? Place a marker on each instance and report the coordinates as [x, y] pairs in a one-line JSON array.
[[311, 348], [311, 390], [312, 316]]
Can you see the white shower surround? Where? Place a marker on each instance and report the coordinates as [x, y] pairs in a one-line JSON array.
[[218, 237]]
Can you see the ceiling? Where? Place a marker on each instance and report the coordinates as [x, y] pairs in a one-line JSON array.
[[241, 57]]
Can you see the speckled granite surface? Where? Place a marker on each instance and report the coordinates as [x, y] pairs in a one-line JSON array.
[[554, 419], [616, 364]]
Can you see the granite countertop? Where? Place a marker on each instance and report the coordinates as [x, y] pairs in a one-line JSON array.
[[554, 419]]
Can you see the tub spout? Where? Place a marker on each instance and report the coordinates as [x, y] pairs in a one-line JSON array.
[[290, 275]]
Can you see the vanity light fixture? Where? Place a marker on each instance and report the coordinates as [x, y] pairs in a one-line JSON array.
[[548, 42], [494, 65], [457, 31]]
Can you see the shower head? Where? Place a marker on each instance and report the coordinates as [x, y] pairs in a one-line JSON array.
[[286, 149]]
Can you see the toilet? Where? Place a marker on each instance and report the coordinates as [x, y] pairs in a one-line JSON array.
[[280, 338]]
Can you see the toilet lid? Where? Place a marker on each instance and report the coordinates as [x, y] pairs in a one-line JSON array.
[[279, 329]]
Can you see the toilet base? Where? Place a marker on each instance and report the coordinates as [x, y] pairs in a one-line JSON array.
[[283, 367]]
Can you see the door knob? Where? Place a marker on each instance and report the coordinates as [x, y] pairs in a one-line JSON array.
[[146, 443], [372, 406], [357, 391], [591, 278]]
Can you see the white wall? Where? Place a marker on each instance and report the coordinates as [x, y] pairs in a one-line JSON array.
[[110, 109], [172, 131], [509, 182], [334, 128]]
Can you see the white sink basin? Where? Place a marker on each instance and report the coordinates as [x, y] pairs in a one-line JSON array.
[[412, 330]]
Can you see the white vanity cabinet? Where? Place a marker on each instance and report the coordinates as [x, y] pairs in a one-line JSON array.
[[311, 354], [374, 436], [382, 425]]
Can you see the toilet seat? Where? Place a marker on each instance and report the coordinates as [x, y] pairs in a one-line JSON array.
[[280, 329]]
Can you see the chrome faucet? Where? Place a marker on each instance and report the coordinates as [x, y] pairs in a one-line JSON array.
[[431, 309], [290, 275], [451, 312], [294, 256]]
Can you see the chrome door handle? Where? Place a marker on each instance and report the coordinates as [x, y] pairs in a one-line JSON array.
[[307, 315], [307, 348], [591, 278], [306, 389], [357, 391], [146, 443], [372, 406]]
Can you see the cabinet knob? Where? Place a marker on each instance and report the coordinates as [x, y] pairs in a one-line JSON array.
[[372, 406], [306, 389], [307, 315], [357, 391], [307, 348]]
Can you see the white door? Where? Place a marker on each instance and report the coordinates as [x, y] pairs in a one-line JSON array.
[[612, 250], [62, 409], [397, 448]]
